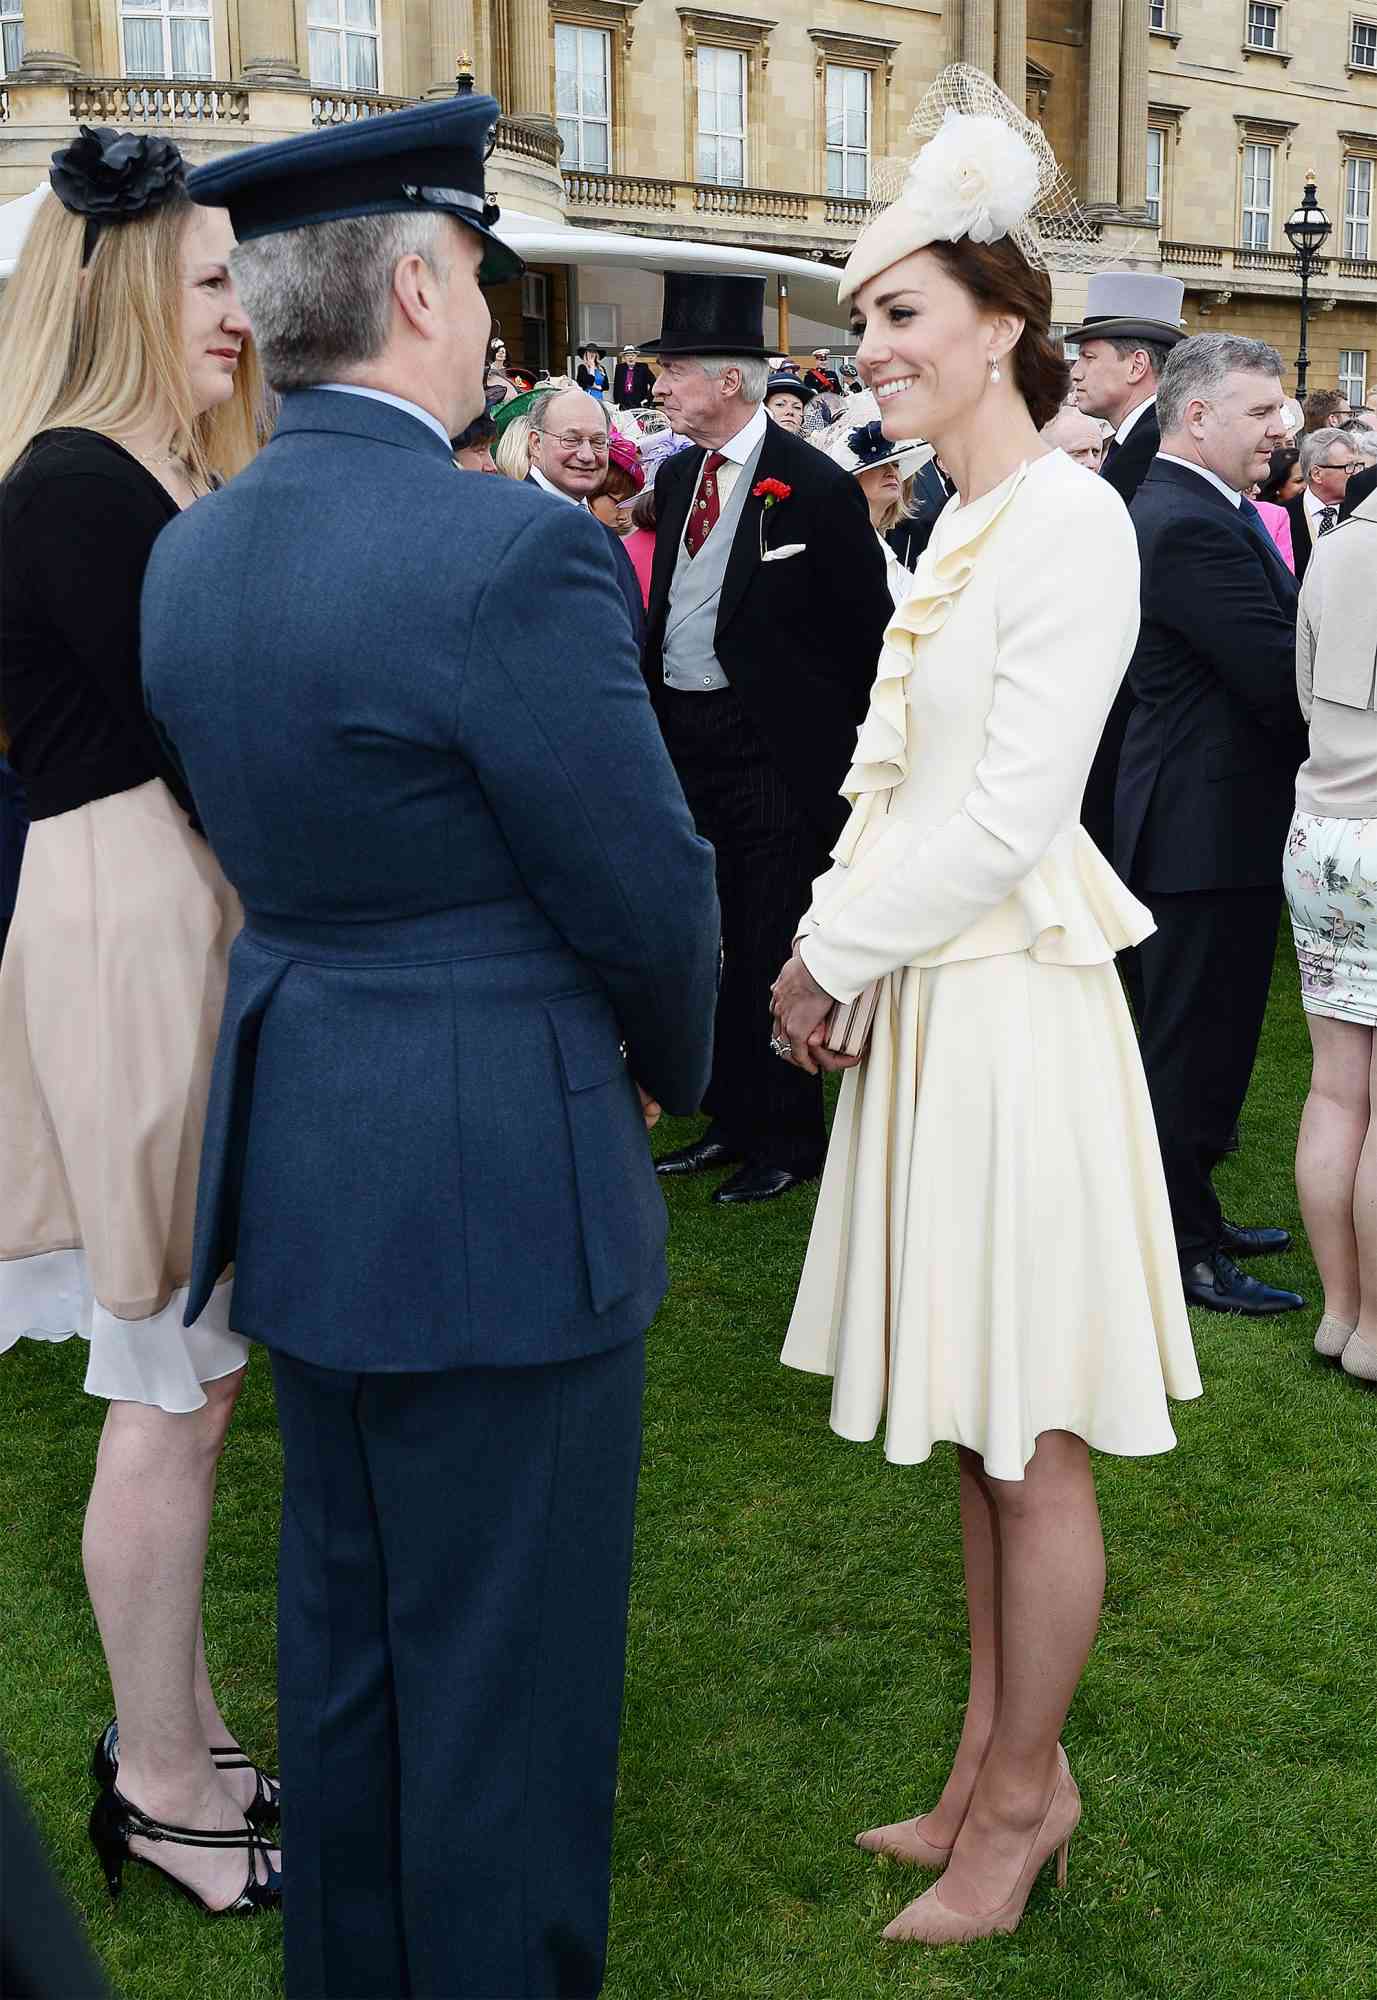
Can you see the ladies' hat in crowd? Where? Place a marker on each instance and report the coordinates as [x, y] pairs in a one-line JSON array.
[[707, 314], [789, 385], [621, 452], [1133, 305], [985, 172], [857, 443], [428, 159]]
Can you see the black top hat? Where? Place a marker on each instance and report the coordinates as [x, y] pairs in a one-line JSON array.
[[707, 314], [428, 157]]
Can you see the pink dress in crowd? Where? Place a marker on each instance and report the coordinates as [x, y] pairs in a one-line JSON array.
[[640, 546], [1277, 522]]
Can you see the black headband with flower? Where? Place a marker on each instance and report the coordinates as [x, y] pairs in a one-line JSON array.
[[109, 176]]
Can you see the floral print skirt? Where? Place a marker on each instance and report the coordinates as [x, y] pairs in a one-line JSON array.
[[1330, 878]]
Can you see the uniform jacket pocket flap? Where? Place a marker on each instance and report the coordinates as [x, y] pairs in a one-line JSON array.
[[586, 1035]]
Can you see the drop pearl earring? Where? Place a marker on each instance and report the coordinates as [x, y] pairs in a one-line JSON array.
[[994, 370]]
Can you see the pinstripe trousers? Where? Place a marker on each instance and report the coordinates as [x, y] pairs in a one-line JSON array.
[[768, 856]]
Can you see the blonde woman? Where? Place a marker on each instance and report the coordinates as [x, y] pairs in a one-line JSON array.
[[884, 468], [130, 390]]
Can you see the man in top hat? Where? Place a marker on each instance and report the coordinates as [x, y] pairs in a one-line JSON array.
[[760, 668], [1133, 320], [469, 936], [632, 382]]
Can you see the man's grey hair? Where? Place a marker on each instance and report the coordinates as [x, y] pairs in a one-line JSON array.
[[1316, 447], [754, 374], [1156, 352], [538, 411], [320, 298], [1197, 369]]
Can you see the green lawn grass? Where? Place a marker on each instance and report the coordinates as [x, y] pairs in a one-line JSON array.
[[796, 1660]]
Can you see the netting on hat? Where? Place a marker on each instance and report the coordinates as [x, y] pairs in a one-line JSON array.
[[985, 170]]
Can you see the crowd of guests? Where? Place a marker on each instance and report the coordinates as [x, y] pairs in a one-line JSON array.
[[864, 803]]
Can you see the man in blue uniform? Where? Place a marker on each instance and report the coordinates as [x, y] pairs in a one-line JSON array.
[[477, 919]]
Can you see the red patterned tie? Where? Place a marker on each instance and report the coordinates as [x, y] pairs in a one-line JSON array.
[[703, 517]]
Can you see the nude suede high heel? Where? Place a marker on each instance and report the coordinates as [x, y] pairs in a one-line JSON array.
[[901, 1841], [1332, 1337], [929, 1920]]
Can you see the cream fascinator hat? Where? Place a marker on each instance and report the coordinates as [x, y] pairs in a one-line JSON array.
[[985, 172]]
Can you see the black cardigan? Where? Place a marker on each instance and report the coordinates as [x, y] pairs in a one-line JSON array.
[[78, 519]]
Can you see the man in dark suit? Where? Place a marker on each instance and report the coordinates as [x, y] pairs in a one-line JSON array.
[[1132, 323], [632, 382], [768, 605], [569, 461], [1359, 486], [1327, 462], [1207, 784], [477, 916]]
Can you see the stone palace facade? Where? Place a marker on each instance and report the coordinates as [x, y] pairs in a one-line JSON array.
[[1188, 126]]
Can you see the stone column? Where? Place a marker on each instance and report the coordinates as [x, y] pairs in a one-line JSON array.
[[451, 36], [49, 41], [1013, 50], [1102, 159], [953, 38], [1133, 107], [267, 42], [528, 23], [978, 35]]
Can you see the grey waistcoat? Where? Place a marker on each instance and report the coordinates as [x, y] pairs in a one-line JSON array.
[[690, 662]]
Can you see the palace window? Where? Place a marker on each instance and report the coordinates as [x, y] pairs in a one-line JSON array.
[[848, 130], [12, 34], [1156, 168], [166, 38], [344, 43], [583, 96], [1258, 164], [1157, 14], [721, 156], [1264, 25], [1353, 375], [1357, 207], [1362, 52]]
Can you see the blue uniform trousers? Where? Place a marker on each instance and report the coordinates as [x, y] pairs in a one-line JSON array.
[[455, 1563]]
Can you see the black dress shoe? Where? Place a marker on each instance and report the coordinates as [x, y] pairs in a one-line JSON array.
[[761, 1184], [1218, 1283], [695, 1159], [1237, 1242]]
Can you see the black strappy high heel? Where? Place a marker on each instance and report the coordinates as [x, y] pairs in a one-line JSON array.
[[264, 1808], [115, 1822]]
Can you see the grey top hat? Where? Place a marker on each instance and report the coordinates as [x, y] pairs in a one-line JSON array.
[[1132, 305]]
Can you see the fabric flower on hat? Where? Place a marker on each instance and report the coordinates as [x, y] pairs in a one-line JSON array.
[[113, 175], [976, 177], [622, 453]]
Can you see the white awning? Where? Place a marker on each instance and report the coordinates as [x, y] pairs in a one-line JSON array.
[[15, 219]]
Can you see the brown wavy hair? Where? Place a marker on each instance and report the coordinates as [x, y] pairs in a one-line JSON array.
[[1000, 279]]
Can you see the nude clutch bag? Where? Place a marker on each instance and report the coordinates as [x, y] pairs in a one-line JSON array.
[[850, 1022]]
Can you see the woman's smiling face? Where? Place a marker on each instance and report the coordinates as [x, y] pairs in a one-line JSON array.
[[925, 346]]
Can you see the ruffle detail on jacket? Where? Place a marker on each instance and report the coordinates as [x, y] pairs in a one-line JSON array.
[[1071, 909], [944, 569]]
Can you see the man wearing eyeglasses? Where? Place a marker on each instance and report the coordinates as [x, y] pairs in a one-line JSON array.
[[569, 460]]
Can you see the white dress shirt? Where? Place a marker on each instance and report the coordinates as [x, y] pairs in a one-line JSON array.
[[735, 451], [397, 402], [1314, 508], [1234, 499], [548, 487], [1131, 419]]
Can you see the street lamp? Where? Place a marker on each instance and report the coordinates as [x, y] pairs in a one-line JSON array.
[[1308, 228]]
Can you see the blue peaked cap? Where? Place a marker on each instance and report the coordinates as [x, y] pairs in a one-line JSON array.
[[427, 158]]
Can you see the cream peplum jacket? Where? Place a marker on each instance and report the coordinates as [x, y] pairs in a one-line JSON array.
[[992, 691]]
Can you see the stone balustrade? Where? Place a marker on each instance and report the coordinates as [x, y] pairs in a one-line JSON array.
[[1270, 272], [628, 197], [112, 100], [346, 107]]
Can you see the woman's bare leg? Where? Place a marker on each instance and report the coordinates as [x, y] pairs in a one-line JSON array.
[[1051, 1586], [1333, 1130], [144, 1549]]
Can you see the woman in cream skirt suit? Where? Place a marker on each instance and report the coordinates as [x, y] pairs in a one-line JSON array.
[[992, 1263]]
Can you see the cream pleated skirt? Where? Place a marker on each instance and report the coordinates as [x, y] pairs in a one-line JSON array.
[[992, 1255], [111, 991]]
